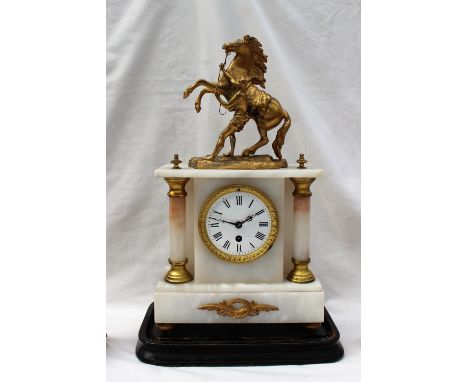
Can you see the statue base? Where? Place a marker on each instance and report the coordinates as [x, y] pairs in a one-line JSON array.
[[238, 162]]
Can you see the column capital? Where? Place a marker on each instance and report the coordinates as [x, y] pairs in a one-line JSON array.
[[302, 186], [177, 187]]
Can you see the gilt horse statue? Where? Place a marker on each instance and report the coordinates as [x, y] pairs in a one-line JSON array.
[[238, 84]]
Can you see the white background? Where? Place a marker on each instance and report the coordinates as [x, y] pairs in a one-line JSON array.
[[157, 49], [52, 205]]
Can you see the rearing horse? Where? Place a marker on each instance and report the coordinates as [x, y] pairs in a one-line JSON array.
[[237, 84]]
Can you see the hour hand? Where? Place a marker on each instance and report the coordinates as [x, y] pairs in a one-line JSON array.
[[249, 218]]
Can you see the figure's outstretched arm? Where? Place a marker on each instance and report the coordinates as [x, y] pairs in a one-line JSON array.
[[228, 75], [232, 102]]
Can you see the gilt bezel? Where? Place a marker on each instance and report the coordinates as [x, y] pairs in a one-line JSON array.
[[215, 197]]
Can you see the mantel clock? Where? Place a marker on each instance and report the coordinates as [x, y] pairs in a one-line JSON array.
[[239, 279]]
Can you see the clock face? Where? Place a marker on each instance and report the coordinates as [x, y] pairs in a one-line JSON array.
[[238, 223]]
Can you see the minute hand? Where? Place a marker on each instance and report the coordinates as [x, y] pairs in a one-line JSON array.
[[224, 221]]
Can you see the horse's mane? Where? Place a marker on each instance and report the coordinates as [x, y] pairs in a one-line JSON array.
[[258, 69]]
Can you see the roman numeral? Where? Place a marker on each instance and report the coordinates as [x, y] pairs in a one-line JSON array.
[[263, 224], [260, 236], [226, 203], [214, 224], [216, 212], [260, 212], [239, 200], [239, 247], [227, 244], [253, 246], [218, 236], [251, 203]]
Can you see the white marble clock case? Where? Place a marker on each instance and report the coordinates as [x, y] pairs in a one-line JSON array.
[[262, 280]]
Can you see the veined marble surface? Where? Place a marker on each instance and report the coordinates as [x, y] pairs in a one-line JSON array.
[[209, 268], [295, 302], [194, 287], [188, 172]]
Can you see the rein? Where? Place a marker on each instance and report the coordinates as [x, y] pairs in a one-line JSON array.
[[219, 77]]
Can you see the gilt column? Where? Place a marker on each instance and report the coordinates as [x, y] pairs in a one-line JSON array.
[[177, 232], [301, 217]]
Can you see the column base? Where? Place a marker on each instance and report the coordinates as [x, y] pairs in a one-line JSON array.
[[301, 272], [178, 274]]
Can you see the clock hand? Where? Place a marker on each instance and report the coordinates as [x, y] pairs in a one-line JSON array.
[[224, 221], [249, 218]]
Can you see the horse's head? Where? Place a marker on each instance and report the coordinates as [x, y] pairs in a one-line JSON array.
[[250, 49], [240, 46], [233, 46]]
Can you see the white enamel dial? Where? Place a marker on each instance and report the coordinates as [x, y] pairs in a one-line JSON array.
[[238, 223]]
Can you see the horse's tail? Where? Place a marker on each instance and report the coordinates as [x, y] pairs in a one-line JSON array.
[[281, 135]]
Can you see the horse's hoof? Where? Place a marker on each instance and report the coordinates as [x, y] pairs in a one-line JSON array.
[[209, 157], [245, 153], [186, 93], [228, 154], [197, 108]]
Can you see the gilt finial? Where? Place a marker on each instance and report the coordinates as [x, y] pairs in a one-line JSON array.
[[176, 161], [301, 161]]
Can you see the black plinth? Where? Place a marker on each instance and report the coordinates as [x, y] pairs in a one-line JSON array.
[[237, 344]]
